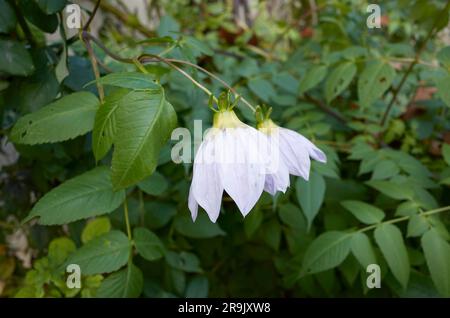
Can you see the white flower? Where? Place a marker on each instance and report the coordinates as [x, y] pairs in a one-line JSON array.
[[295, 151], [233, 157]]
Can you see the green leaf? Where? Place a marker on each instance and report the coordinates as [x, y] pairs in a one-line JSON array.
[[327, 251], [183, 261], [390, 240], [148, 245], [374, 80], [145, 121], [362, 249], [393, 190], [443, 87], [364, 212], [314, 76], [103, 254], [156, 184], [7, 17], [133, 80], [262, 88], [446, 153], [33, 13], [105, 123], [339, 79], [201, 228], [15, 59], [126, 283], [69, 117], [197, 287], [252, 222], [292, 216], [86, 195], [158, 214], [437, 255], [417, 225], [51, 6], [444, 57], [310, 194], [59, 249], [95, 228], [385, 169]]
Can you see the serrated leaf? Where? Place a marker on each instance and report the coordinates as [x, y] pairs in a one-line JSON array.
[[310, 195], [148, 245], [362, 249], [86, 195], [437, 255], [104, 254], [133, 80], [15, 59], [313, 77], [201, 228], [105, 124], [145, 121], [126, 283], [374, 80], [95, 228], [364, 212], [67, 118], [327, 251], [390, 240], [59, 249], [339, 79]]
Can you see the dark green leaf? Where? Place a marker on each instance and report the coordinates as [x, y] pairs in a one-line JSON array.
[[148, 244], [69, 117], [126, 283], [84, 196], [15, 59], [310, 194], [390, 240], [201, 228], [339, 79], [103, 254]]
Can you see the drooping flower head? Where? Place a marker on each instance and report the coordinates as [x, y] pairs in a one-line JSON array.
[[295, 152], [233, 157]]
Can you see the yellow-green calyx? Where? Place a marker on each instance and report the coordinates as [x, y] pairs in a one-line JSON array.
[[267, 126], [226, 119]]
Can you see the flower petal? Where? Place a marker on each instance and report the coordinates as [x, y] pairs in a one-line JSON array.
[[206, 186], [242, 170], [295, 153], [192, 204]]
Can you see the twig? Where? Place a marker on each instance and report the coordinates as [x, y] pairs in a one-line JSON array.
[[86, 26], [413, 63], [325, 108]]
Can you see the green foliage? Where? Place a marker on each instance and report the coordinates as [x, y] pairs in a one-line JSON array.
[[103, 254], [144, 123], [87, 195], [89, 154], [71, 116]]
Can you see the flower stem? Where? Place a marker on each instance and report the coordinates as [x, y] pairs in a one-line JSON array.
[[404, 218]]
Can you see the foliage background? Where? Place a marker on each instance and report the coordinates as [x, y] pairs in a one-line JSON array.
[[375, 100]]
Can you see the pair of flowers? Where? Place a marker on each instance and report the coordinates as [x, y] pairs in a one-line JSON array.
[[244, 161]]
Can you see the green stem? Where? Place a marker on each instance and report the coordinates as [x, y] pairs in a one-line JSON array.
[[87, 44], [404, 218], [127, 219]]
